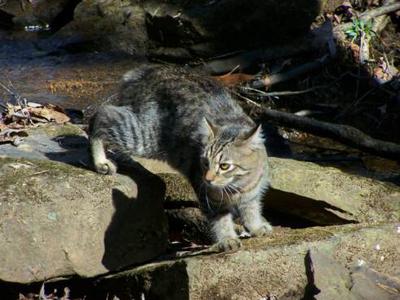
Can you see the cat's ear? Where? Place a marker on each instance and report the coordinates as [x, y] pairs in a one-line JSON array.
[[209, 128], [254, 138]]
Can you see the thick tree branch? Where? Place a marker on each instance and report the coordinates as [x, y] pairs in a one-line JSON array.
[[346, 134]]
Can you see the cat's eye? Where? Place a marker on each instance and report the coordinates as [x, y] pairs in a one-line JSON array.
[[224, 166]]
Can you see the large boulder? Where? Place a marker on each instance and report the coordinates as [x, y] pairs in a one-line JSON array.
[[57, 219], [191, 29], [115, 25]]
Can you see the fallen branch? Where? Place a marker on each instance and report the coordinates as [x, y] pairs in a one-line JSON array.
[[296, 72], [343, 133], [381, 22]]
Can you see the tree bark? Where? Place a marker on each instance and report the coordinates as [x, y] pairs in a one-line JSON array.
[[343, 133]]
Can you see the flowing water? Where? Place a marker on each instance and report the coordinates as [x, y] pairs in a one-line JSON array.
[[54, 71]]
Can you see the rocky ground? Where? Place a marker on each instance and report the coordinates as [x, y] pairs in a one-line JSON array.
[[59, 218]]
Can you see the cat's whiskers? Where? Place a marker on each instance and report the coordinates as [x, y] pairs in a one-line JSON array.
[[225, 188], [235, 188], [231, 190], [224, 192], [222, 197]]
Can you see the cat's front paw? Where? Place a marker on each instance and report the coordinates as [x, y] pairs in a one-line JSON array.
[[228, 244], [264, 229], [106, 167]]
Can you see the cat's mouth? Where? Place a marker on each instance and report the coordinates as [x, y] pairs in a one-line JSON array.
[[217, 184]]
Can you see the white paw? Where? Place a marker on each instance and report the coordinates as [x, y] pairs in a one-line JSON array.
[[228, 244], [106, 167], [264, 229]]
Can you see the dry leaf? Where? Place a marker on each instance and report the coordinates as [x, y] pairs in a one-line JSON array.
[[51, 113], [231, 80], [41, 112], [58, 114], [12, 135]]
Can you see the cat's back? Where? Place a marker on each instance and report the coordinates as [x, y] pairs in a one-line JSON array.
[[174, 85]]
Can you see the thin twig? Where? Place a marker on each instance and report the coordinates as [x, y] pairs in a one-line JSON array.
[[6, 88], [233, 70], [284, 93], [12, 91], [247, 99], [288, 93], [370, 14], [39, 173], [356, 102]]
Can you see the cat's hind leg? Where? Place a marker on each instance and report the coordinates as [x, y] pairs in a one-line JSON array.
[[99, 130]]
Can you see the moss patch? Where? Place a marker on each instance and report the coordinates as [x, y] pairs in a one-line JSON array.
[[54, 130], [178, 188], [27, 179]]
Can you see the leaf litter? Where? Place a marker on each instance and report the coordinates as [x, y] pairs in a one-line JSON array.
[[17, 115]]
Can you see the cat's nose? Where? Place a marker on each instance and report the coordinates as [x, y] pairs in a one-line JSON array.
[[209, 176]]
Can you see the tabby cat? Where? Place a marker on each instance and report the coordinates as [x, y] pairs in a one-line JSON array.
[[192, 122]]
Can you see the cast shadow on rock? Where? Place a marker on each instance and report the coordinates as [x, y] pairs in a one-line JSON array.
[[138, 231], [167, 282], [71, 149]]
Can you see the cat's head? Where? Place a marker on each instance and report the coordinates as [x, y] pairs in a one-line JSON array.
[[232, 157]]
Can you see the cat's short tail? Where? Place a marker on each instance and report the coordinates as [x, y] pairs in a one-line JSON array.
[[137, 73]]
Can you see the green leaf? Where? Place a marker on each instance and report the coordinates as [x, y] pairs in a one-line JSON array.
[[351, 33]]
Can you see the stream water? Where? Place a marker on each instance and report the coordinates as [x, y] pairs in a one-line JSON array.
[[54, 71]]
